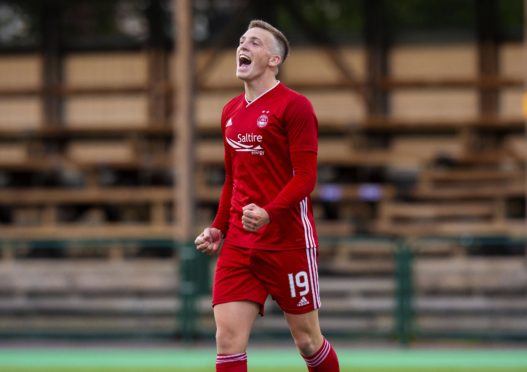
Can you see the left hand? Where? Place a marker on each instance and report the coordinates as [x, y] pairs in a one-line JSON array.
[[254, 217]]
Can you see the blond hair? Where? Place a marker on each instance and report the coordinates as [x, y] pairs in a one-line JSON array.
[[281, 41]]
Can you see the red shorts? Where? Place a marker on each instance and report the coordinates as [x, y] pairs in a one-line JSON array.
[[289, 276]]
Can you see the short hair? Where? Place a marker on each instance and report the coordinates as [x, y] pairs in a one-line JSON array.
[[282, 42]]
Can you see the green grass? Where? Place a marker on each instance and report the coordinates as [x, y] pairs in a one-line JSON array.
[[260, 360], [261, 369]]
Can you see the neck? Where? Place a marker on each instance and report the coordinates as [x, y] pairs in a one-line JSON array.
[[255, 88]]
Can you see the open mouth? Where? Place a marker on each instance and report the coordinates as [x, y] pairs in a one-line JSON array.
[[244, 60]]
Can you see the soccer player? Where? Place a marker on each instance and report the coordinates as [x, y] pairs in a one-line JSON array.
[[265, 218]]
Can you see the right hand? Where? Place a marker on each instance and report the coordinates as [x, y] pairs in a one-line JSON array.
[[209, 241]]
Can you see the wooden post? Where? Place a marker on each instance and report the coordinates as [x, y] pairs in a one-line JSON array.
[[157, 65], [183, 124], [375, 34], [525, 70], [183, 78], [50, 19], [487, 31], [525, 79]]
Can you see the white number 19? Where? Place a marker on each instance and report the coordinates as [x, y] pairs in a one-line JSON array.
[[299, 280]]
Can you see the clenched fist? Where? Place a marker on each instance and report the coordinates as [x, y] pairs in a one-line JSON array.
[[254, 217], [209, 241]]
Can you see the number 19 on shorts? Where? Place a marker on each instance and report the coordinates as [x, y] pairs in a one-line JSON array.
[[298, 283]]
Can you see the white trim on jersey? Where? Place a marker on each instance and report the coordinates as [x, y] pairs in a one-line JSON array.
[[308, 229], [261, 95], [311, 252]]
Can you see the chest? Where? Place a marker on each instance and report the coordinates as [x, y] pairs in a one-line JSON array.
[[255, 130]]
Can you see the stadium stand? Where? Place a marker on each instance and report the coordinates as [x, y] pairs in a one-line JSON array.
[[90, 193]]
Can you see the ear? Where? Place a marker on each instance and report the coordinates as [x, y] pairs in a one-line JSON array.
[[275, 60]]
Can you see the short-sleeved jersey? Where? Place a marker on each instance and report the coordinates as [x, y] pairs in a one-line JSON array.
[[259, 138]]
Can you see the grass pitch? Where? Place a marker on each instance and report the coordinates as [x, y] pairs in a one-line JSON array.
[[260, 360]]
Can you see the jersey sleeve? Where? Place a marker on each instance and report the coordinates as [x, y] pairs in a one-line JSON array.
[[302, 134], [221, 221], [301, 125], [299, 186]]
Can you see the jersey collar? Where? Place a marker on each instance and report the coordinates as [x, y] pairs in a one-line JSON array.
[[261, 95]]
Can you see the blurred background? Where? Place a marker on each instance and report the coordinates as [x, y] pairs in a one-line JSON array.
[[111, 161]]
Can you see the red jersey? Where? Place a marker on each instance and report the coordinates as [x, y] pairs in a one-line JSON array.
[[270, 144]]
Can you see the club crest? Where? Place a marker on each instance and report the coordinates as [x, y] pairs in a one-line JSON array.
[[262, 120]]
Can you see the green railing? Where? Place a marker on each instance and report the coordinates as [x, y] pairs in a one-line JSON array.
[[404, 330], [195, 278], [194, 283], [403, 293]]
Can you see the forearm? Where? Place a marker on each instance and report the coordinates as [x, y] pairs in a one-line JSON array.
[[299, 186], [221, 221]]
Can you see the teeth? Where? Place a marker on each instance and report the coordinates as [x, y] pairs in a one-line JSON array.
[[244, 60]]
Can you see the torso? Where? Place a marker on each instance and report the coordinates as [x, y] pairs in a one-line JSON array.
[[258, 139]]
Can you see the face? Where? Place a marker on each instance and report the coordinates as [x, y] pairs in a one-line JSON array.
[[255, 55]]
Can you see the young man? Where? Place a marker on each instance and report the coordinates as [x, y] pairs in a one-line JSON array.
[[270, 136]]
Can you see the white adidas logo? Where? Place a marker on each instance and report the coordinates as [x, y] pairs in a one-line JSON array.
[[229, 123], [302, 302]]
